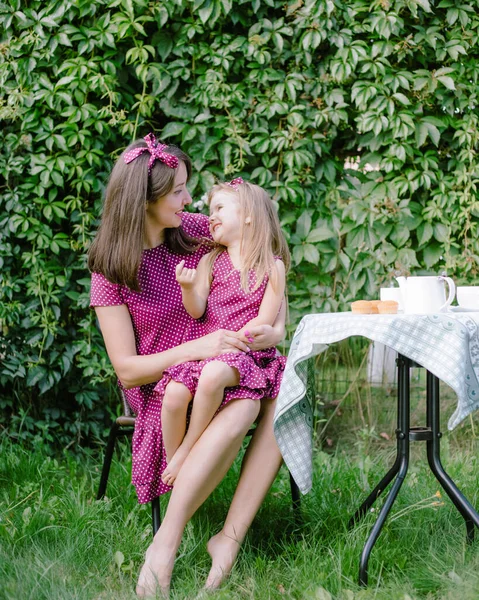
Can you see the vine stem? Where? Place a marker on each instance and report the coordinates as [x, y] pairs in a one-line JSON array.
[[44, 314], [138, 111], [236, 135]]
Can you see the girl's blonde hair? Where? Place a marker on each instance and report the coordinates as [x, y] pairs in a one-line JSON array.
[[261, 235]]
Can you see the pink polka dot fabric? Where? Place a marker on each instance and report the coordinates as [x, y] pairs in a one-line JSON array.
[[230, 307], [159, 322]]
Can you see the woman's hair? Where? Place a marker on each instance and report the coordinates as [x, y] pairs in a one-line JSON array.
[[117, 248], [261, 235]]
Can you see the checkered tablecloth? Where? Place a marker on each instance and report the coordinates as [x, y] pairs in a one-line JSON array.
[[447, 345]]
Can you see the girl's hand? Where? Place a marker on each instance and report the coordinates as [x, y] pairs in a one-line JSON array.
[[219, 342], [185, 277], [259, 337]]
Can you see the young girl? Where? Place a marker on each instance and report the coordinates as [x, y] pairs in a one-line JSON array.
[[239, 285]]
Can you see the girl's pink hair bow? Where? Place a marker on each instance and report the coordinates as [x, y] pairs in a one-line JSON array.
[[234, 183]]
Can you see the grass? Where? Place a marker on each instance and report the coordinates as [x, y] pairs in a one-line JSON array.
[[58, 543]]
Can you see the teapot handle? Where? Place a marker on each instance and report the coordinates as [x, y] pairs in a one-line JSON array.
[[452, 292]]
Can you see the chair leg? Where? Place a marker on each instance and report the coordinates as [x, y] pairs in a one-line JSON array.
[[155, 514], [105, 472]]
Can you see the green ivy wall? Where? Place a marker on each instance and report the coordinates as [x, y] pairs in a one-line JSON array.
[[359, 117]]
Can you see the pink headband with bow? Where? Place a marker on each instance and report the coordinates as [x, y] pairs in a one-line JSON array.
[[156, 151], [234, 183]]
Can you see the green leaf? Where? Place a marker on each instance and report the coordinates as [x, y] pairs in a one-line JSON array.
[[400, 235], [401, 98], [421, 133], [320, 234], [172, 129], [432, 254], [331, 264], [447, 82], [424, 4], [225, 155], [64, 39], [444, 71], [303, 225], [441, 232], [407, 258], [345, 260], [65, 80], [311, 253], [424, 233], [433, 133], [205, 11], [298, 254], [35, 375]]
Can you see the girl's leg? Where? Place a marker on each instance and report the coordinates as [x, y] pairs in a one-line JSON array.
[[214, 377], [260, 466], [173, 416], [203, 469]]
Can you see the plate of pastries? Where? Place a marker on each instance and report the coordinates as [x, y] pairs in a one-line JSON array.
[[374, 307]]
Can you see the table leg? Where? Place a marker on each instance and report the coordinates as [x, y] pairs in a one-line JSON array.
[[402, 462], [393, 471], [460, 502], [378, 490], [404, 433]]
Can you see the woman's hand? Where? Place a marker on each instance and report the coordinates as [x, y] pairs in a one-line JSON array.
[[218, 342]]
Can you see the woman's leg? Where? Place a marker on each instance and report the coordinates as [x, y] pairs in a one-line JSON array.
[[173, 416], [205, 466], [214, 378], [260, 466]]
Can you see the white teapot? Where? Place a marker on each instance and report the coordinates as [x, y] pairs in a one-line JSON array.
[[426, 295]]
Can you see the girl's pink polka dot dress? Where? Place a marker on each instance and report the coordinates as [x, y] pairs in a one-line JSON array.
[[230, 307], [159, 322]]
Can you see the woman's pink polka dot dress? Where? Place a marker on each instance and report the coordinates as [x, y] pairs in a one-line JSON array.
[[230, 307], [159, 322]]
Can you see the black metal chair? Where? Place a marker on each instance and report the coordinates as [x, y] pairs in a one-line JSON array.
[[123, 426]]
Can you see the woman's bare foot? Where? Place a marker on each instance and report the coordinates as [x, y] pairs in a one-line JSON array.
[[155, 574], [223, 551], [173, 467]]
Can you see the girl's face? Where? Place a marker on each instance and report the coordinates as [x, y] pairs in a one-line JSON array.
[[225, 222], [166, 211]]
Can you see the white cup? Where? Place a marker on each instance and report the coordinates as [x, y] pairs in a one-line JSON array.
[[468, 297], [392, 294]]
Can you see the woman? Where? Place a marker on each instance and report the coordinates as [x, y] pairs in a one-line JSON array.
[[144, 234]]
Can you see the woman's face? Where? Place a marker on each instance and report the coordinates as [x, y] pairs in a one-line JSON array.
[[166, 211]]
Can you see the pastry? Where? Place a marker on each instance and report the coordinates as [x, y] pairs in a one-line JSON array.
[[361, 307], [374, 306], [388, 307]]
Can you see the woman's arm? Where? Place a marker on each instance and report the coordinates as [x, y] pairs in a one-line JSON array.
[[134, 370], [195, 287]]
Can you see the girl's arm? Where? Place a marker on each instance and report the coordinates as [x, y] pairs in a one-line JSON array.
[[271, 303], [265, 336], [195, 287], [133, 370]]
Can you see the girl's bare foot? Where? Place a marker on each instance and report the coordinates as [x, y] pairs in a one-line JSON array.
[[173, 467], [155, 575], [223, 551]]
